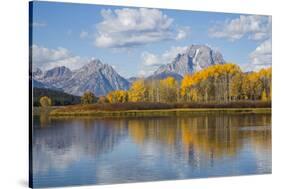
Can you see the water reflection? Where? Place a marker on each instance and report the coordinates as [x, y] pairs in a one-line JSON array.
[[64, 141], [112, 150]]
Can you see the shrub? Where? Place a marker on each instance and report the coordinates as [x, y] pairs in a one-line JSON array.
[[45, 101], [88, 98]]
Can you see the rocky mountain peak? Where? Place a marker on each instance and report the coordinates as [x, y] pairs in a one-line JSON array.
[[93, 64], [101, 78], [95, 76], [57, 72], [37, 73], [195, 58]]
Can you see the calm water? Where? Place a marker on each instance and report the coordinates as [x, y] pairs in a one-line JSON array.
[[84, 151]]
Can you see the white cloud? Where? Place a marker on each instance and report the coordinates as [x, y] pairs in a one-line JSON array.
[[255, 27], [151, 61], [144, 72], [183, 33], [169, 55], [45, 58], [124, 28], [262, 56]]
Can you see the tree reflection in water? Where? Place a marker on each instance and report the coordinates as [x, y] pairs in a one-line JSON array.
[[192, 145]]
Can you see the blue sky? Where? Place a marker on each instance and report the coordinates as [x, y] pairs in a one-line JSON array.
[[135, 41]]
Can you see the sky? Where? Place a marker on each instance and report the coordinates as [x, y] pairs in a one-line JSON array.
[[136, 41]]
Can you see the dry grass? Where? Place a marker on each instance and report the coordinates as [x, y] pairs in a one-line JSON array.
[[147, 109]]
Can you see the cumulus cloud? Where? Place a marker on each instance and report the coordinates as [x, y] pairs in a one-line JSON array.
[[151, 61], [144, 72], [169, 55], [127, 27], [183, 33], [254, 27], [262, 56], [45, 58]]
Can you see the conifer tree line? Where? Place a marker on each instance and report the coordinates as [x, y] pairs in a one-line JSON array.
[[217, 83]]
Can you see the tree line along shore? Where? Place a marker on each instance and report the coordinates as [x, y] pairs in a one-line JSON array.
[[218, 86]]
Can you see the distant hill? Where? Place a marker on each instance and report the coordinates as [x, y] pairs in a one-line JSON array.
[[58, 98], [132, 79], [165, 74], [38, 84]]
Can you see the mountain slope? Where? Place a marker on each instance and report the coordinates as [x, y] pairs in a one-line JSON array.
[[101, 78], [55, 77], [96, 77], [38, 84], [195, 58], [132, 79], [165, 74]]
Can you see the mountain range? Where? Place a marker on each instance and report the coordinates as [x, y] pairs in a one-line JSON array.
[[101, 78], [95, 76]]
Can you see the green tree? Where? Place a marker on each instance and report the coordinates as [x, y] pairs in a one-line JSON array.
[[88, 98]]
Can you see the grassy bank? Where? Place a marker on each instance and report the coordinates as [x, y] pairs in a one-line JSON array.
[[159, 109], [39, 110], [151, 113]]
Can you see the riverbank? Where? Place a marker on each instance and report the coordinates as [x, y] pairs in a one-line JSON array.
[[158, 109], [152, 113], [39, 110]]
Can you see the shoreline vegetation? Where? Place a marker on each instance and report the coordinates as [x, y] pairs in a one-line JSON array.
[[158, 109], [222, 87]]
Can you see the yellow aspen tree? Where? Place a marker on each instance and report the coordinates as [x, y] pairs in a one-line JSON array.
[[263, 96], [137, 92], [169, 89]]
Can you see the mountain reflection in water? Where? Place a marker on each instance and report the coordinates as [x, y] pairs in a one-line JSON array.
[[75, 151]]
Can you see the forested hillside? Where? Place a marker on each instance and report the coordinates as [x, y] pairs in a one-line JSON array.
[[58, 98]]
